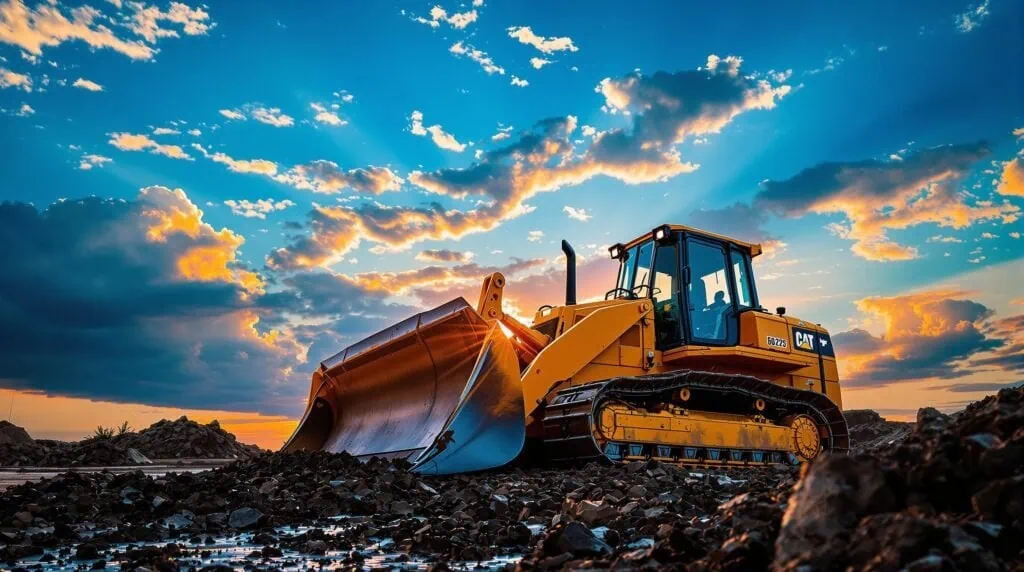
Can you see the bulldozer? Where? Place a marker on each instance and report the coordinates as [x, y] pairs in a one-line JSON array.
[[679, 363]]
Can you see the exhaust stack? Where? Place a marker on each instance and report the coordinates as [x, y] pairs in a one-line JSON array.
[[570, 273]]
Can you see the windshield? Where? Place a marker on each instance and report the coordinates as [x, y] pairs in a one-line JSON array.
[[635, 271]]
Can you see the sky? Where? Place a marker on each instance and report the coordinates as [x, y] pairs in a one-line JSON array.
[[199, 202]]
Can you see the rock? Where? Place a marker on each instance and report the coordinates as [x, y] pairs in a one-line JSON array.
[[245, 518], [317, 547], [825, 507], [578, 540], [23, 517], [87, 552], [637, 491], [401, 508], [595, 513], [269, 486], [137, 457]]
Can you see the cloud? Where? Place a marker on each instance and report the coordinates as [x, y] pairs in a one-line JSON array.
[[319, 176], [577, 214], [977, 386], [502, 134], [434, 277], [327, 177], [538, 63], [927, 335], [1011, 182], [480, 57], [89, 161], [546, 45], [437, 133], [458, 20], [326, 116], [535, 235], [25, 110], [253, 166], [1009, 356], [271, 116], [139, 142], [541, 159], [233, 114], [10, 79], [145, 21], [268, 115], [153, 307], [166, 131], [87, 85], [971, 18], [877, 196], [946, 239], [46, 25], [443, 255], [257, 209], [519, 82]]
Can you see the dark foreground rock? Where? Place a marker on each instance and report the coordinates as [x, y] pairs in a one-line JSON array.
[[950, 496]]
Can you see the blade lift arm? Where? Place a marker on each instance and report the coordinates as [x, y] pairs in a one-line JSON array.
[[527, 341]]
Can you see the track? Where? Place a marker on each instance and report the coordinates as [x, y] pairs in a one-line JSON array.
[[570, 418]]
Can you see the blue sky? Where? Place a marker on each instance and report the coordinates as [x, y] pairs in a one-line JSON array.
[[870, 146]]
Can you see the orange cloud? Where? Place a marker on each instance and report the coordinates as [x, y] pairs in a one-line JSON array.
[[878, 196], [925, 335], [213, 256], [441, 277], [1012, 180], [443, 255], [134, 142]]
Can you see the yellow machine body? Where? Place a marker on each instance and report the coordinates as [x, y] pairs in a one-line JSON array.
[[628, 377]]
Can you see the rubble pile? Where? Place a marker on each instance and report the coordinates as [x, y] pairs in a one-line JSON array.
[[186, 438], [182, 438], [948, 496], [870, 431]]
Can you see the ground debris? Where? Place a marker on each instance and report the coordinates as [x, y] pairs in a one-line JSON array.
[[946, 496]]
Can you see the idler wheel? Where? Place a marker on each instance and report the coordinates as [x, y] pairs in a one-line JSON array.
[[806, 437]]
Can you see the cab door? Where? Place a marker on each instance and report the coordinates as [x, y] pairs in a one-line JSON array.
[[712, 316], [666, 294]]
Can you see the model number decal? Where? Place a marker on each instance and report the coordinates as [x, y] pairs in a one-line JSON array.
[[774, 342]]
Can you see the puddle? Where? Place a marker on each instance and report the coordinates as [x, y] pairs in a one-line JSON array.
[[236, 551]]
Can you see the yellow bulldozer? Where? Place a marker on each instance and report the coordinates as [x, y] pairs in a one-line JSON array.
[[678, 363]]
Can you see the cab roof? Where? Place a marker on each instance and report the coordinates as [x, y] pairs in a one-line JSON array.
[[753, 248]]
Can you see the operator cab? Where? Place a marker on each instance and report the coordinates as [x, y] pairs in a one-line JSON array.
[[678, 268]]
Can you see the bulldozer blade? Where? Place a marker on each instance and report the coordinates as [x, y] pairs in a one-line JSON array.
[[395, 393], [486, 429]]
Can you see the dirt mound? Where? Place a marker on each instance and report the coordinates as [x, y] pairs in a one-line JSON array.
[[163, 440], [870, 431], [186, 438], [12, 434]]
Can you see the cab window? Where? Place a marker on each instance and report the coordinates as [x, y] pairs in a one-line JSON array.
[[744, 292], [667, 314], [628, 265], [708, 292], [642, 274]]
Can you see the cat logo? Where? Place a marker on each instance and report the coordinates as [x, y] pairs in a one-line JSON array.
[[774, 342], [804, 340]]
